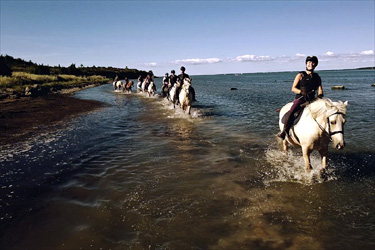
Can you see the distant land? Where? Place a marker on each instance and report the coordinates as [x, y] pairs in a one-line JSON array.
[[9, 64], [20, 78], [365, 68]]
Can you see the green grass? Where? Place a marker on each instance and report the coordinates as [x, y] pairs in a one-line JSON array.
[[19, 80]]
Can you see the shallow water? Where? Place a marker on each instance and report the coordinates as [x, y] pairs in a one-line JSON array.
[[139, 174]]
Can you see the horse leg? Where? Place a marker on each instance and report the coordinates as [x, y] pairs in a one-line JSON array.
[[323, 155], [306, 151], [285, 145], [188, 109]]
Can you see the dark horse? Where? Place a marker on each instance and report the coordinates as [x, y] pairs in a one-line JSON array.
[[128, 87]]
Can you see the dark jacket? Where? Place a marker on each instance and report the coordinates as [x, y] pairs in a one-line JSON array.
[[309, 84], [182, 77]]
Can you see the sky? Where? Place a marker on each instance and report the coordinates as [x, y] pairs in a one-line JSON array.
[[207, 37]]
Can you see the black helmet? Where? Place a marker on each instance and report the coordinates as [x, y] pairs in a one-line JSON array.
[[312, 59], [173, 71], [182, 68]]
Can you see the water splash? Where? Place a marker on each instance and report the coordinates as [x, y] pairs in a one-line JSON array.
[[290, 167]]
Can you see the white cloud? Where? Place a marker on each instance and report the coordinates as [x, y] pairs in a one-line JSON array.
[[152, 64], [347, 57], [367, 52], [300, 55], [196, 61], [252, 58]]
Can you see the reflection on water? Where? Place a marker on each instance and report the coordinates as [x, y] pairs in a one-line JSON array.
[[142, 175]]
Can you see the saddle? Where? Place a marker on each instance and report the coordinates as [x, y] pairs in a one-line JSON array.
[[296, 116]]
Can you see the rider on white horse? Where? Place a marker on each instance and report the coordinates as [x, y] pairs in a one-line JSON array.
[[305, 85], [181, 78], [172, 82], [114, 82]]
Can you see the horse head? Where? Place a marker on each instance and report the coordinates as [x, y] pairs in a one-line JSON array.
[[187, 81], [186, 84], [335, 114]]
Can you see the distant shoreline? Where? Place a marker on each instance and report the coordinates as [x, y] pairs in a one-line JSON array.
[[363, 68], [289, 71]]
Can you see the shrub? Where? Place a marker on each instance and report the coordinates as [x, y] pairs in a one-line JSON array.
[[5, 70]]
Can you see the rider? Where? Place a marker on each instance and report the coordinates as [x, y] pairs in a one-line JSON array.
[[140, 78], [140, 81], [181, 78], [172, 79], [147, 80], [304, 86], [124, 86], [165, 83]]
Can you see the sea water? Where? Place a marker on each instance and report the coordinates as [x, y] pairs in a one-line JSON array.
[[139, 174]]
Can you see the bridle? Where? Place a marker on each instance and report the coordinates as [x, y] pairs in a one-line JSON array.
[[329, 133], [329, 125]]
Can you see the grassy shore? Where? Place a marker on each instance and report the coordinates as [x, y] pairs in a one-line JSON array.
[[21, 83]]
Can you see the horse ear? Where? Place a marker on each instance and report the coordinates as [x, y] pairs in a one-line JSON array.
[[328, 103], [346, 103]]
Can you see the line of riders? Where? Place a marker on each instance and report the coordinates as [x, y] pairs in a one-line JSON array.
[[323, 121], [177, 89]]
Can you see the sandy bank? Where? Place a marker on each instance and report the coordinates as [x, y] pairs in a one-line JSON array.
[[24, 117]]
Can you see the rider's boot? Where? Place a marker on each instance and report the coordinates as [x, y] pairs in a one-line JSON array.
[[287, 125]]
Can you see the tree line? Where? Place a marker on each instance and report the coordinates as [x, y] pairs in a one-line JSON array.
[[8, 64]]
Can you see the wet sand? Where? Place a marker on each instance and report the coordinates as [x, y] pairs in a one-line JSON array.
[[22, 118]]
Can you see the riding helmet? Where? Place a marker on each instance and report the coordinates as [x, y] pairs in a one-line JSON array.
[[182, 68], [312, 59]]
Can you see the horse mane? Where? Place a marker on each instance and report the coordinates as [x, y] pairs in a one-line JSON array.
[[327, 107]]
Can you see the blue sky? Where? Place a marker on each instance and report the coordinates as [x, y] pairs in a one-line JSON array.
[[207, 37]]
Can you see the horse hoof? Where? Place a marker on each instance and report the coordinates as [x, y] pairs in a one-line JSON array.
[[281, 135]]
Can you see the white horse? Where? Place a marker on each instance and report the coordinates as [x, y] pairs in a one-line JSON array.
[[172, 94], [151, 89], [143, 86], [139, 86], [322, 121], [186, 96], [117, 85]]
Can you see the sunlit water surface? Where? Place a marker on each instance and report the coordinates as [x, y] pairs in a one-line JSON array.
[[139, 174]]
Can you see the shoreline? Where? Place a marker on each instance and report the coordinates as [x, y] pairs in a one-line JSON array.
[[22, 118]]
